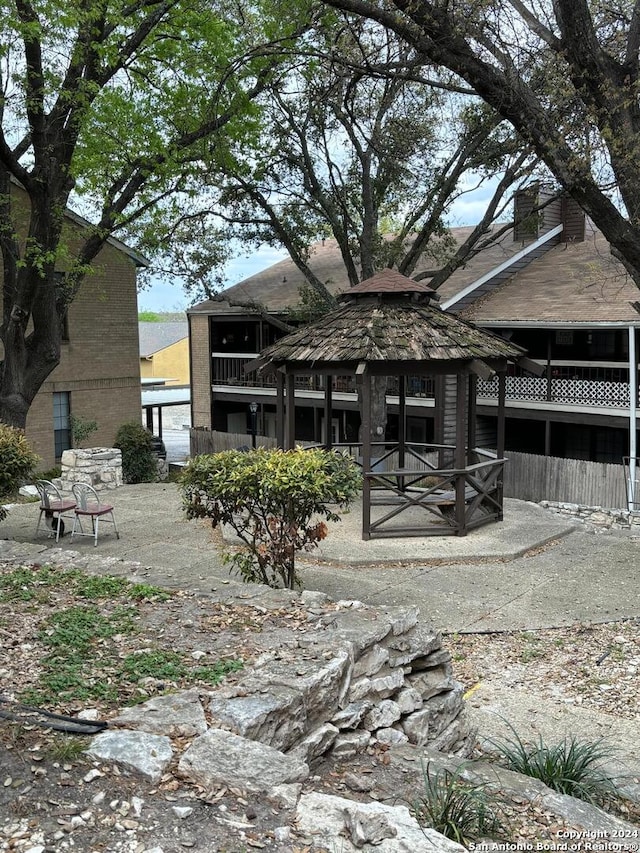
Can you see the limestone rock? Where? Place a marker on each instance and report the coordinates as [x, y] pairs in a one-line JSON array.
[[351, 743], [351, 716], [146, 754], [362, 628], [314, 746], [175, 715], [371, 662], [377, 688], [391, 736], [321, 682], [223, 758], [277, 717], [417, 643], [382, 715], [438, 713], [325, 818], [431, 682], [409, 700]]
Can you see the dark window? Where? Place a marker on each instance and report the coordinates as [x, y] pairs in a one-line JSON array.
[[61, 426]]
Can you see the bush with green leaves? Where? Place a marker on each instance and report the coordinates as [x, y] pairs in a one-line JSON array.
[[570, 766], [17, 461], [138, 459], [456, 808], [276, 501]]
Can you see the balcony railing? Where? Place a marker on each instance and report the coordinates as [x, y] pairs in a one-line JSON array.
[[229, 370], [604, 386]]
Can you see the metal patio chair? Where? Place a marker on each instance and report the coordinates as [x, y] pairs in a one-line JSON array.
[[89, 505], [54, 507]]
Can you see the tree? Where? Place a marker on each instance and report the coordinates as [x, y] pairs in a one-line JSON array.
[[359, 144], [566, 75], [116, 105]]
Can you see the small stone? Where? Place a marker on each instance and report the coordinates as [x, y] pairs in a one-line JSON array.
[[182, 811], [92, 774]]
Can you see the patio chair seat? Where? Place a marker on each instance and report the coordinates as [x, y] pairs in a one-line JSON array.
[[89, 505], [53, 506]]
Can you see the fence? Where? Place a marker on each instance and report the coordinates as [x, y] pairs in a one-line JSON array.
[[209, 441], [537, 478]]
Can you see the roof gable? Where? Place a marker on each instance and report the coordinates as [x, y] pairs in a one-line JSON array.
[[158, 336]]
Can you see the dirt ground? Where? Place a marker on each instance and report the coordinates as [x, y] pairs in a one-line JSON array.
[[53, 798]]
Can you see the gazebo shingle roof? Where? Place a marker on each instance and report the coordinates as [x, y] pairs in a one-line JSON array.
[[390, 325]]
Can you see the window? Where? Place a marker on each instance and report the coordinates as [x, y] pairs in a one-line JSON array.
[[61, 426]]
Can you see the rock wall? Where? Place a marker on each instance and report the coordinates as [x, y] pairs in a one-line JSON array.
[[100, 467], [597, 516], [356, 675]]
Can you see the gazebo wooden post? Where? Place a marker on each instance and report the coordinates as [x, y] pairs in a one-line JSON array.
[[328, 408], [366, 456], [291, 411], [402, 425], [280, 409], [460, 453]]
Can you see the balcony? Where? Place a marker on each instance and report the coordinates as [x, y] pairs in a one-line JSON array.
[[604, 385], [228, 370]]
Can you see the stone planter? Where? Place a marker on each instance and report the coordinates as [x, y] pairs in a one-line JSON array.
[[100, 467]]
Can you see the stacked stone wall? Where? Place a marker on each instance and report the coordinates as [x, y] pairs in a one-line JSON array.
[[362, 675], [596, 516], [100, 467]]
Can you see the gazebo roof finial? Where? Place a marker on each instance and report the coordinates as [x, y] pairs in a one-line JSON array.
[[388, 282]]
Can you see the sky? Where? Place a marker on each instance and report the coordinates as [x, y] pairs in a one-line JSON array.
[[162, 296]]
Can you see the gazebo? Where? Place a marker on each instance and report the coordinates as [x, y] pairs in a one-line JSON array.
[[390, 326]]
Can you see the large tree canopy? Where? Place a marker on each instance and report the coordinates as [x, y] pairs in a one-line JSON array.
[[362, 143], [564, 73], [116, 104]]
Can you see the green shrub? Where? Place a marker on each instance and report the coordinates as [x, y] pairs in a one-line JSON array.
[[455, 808], [17, 460], [269, 498], [570, 767], [138, 459]]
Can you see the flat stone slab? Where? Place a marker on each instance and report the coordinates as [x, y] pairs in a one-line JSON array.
[[350, 827], [146, 754], [175, 715], [223, 758]]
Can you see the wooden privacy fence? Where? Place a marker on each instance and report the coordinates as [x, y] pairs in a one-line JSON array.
[[210, 441], [536, 478]]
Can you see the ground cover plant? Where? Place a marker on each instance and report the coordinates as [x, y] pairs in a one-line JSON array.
[[457, 809], [571, 766], [277, 503], [89, 641]]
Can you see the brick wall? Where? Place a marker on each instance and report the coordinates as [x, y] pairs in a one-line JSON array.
[[200, 371], [99, 365]]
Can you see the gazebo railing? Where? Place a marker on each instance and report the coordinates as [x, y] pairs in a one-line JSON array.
[[445, 502], [436, 501]]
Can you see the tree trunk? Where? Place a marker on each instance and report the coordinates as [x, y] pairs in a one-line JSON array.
[[378, 408]]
